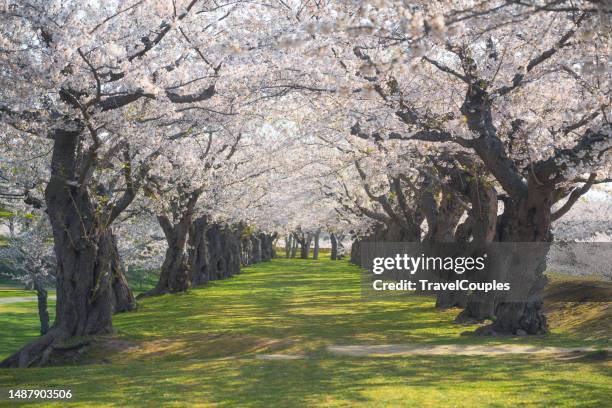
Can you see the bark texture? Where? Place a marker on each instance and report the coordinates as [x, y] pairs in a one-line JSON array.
[[83, 248], [123, 297], [334, 246], [43, 312]]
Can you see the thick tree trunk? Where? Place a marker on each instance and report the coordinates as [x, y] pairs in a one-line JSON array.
[[224, 252], [257, 254], [356, 252], [288, 245], [82, 246], [334, 246], [174, 275], [267, 246], [123, 297], [305, 246], [315, 251], [199, 261], [521, 310], [442, 220], [480, 229], [175, 272], [231, 247]]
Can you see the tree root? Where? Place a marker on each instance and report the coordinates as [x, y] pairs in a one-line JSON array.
[[153, 292], [50, 348], [36, 353]]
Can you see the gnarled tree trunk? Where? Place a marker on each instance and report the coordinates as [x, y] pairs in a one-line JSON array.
[[257, 253], [442, 220], [174, 275], [481, 226], [528, 233], [83, 246], [199, 259]]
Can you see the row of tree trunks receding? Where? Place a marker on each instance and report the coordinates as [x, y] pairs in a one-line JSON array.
[[519, 240], [217, 251], [304, 240]]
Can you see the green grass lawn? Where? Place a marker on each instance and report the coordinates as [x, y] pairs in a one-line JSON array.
[[13, 292], [201, 349]]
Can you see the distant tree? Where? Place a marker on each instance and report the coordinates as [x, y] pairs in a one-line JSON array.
[[29, 254]]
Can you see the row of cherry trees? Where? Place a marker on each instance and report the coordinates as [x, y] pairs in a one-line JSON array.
[[167, 122]]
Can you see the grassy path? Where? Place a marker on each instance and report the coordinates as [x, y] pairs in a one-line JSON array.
[[262, 339]]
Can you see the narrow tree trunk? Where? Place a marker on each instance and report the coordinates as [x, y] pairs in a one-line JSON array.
[[334, 246], [273, 239], [247, 251], [288, 245], [43, 312], [315, 252], [123, 297], [218, 267], [356, 252], [256, 249], [294, 245]]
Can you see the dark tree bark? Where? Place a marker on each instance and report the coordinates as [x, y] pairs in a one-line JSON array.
[[224, 252], [257, 253], [528, 221], [83, 247], [267, 246], [43, 312], [288, 245], [273, 239], [356, 252], [334, 246], [305, 240], [199, 259], [442, 220], [231, 247], [247, 250], [123, 297], [174, 275], [481, 226]]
